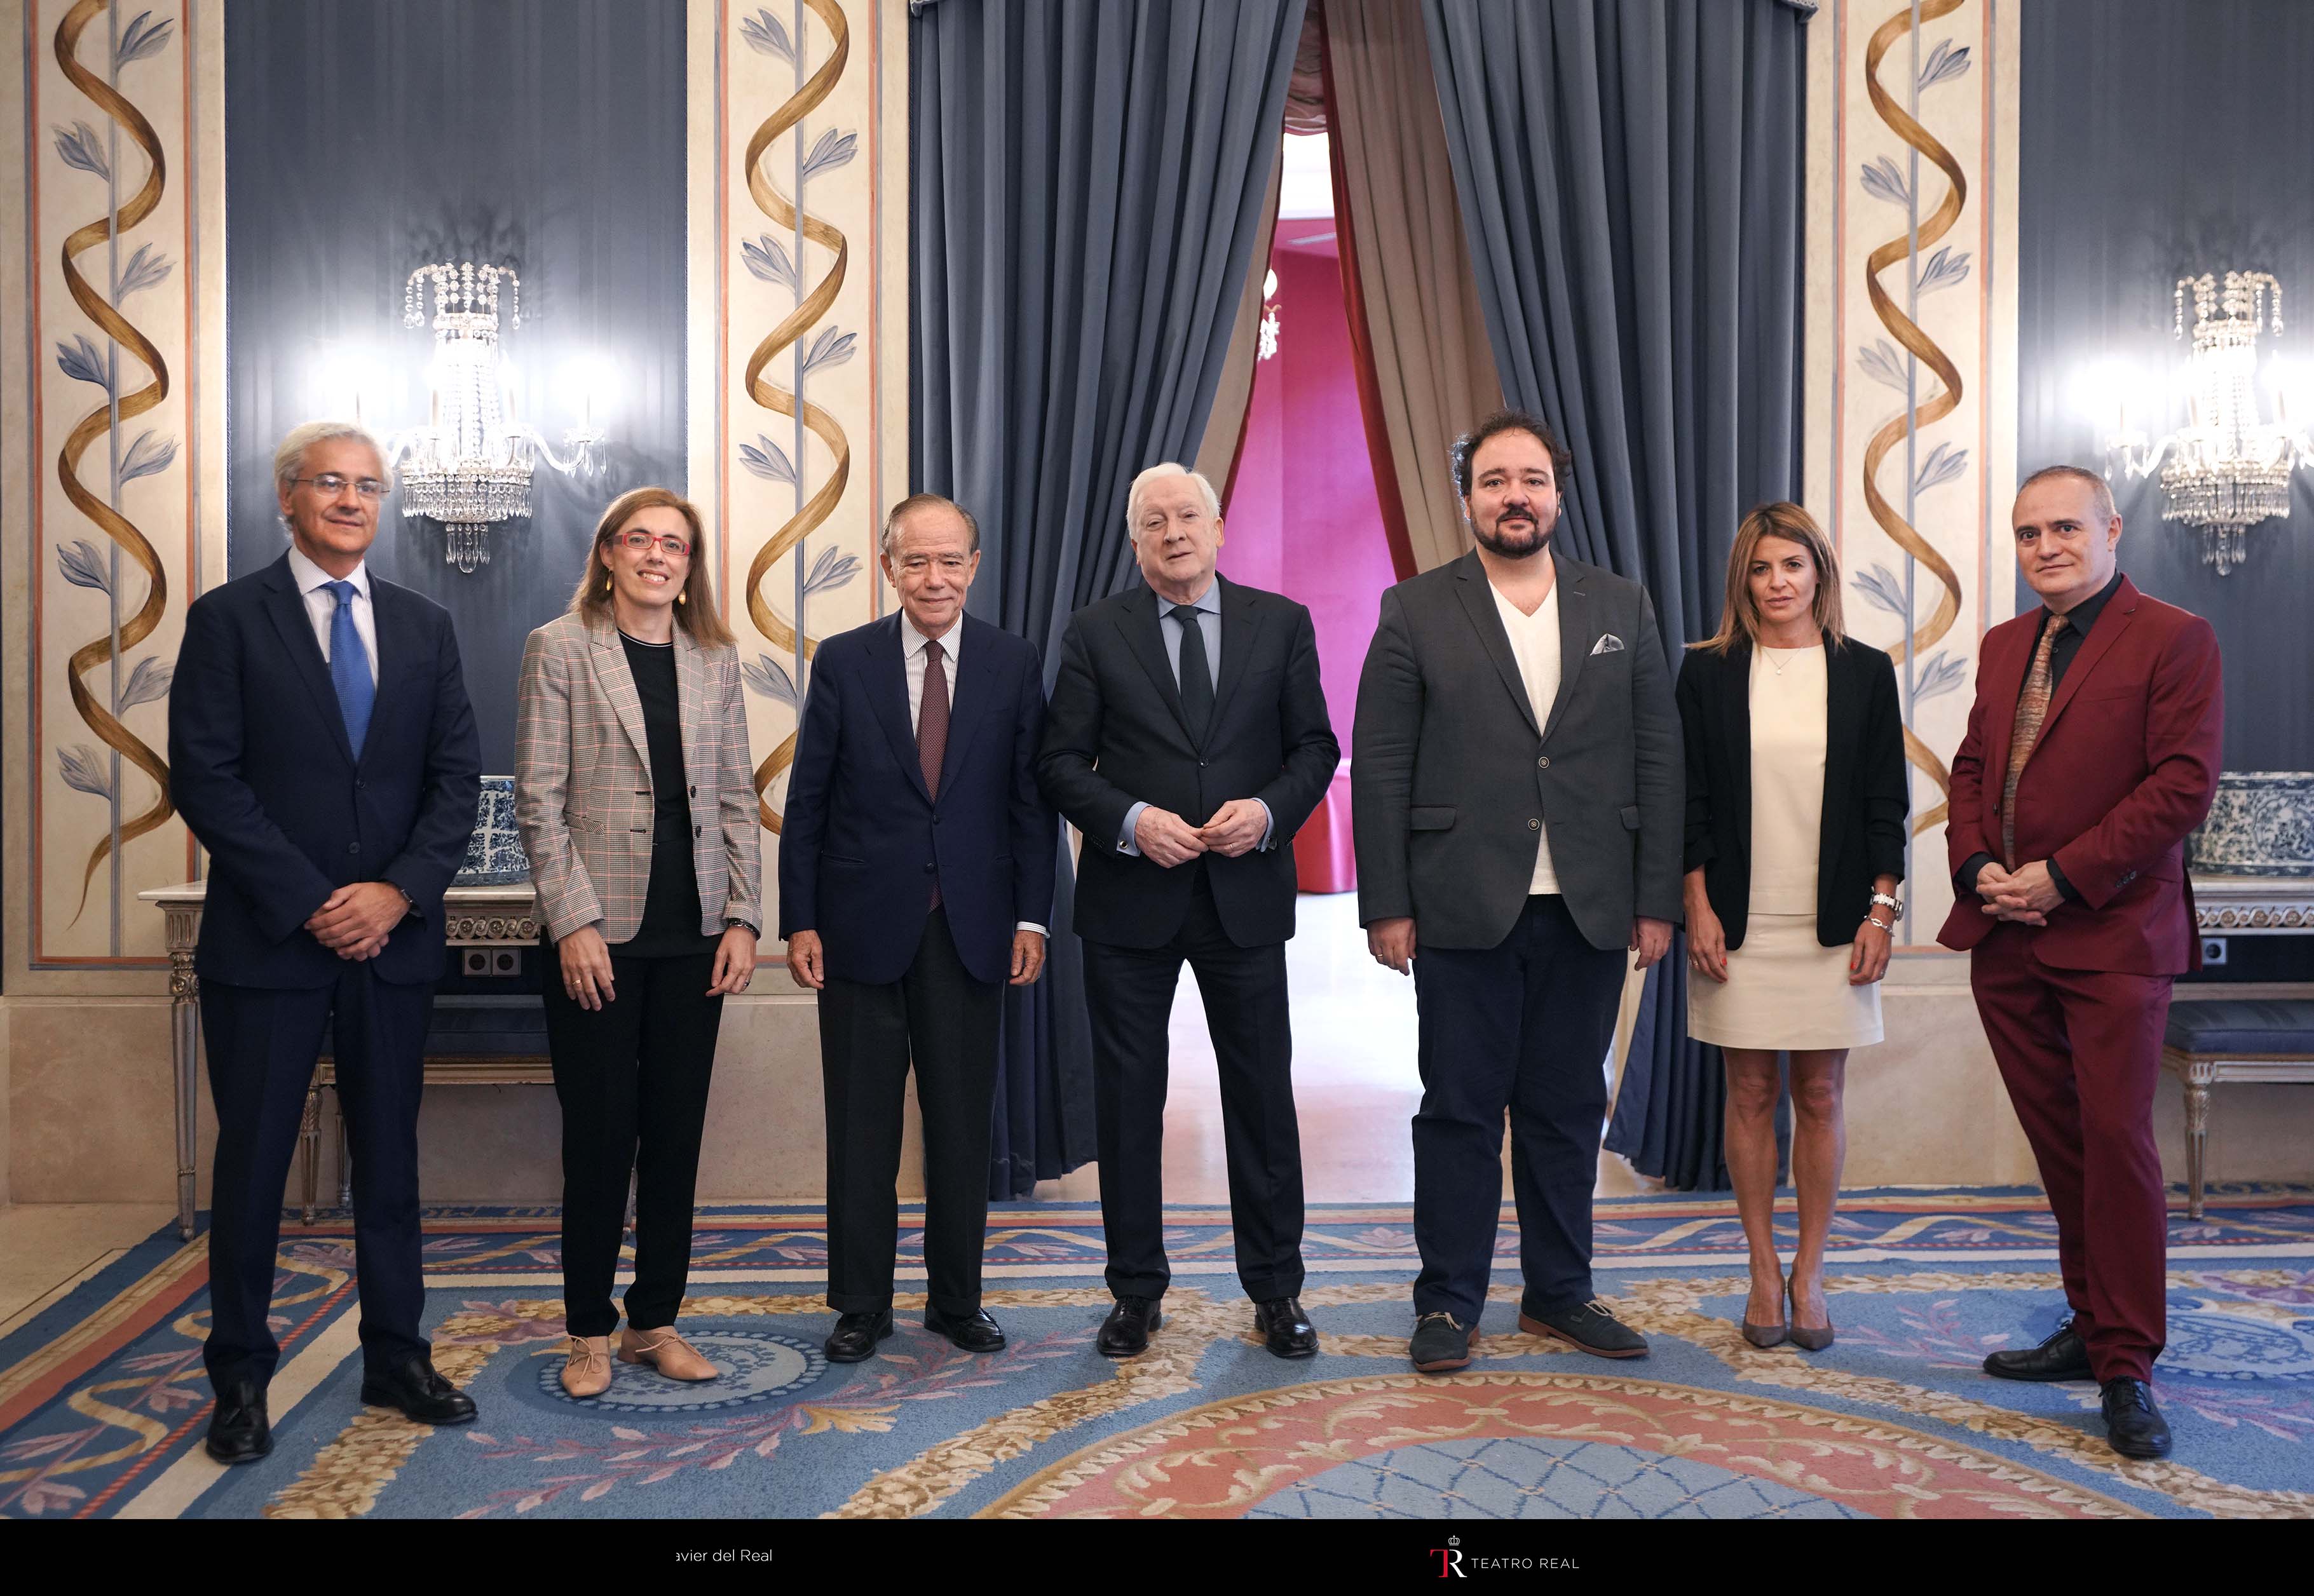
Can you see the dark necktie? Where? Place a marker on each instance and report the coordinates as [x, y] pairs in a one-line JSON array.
[[2025, 731], [1196, 675], [932, 731], [349, 668]]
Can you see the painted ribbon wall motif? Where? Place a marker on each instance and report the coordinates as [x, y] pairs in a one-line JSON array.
[[81, 563], [786, 261], [1884, 180]]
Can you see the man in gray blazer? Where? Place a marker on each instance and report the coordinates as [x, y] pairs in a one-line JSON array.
[[1515, 786]]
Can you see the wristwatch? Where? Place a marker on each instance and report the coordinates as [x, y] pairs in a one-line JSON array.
[[753, 929], [1895, 905]]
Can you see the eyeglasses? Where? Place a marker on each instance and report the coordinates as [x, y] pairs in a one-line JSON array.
[[331, 485], [675, 545]]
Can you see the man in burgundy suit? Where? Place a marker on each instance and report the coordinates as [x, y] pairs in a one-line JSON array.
[[2093, 750]]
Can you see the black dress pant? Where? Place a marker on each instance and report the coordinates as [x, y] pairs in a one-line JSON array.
[[633, 1078], [262, 1044], [1129, 991], [1525, 1024], [944, 1020]]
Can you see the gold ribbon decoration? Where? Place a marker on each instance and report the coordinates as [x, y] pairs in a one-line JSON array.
[[141, 625], [1907, 332], [809, 310]]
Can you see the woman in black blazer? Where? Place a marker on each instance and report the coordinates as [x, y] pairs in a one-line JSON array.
[[1795, 804]]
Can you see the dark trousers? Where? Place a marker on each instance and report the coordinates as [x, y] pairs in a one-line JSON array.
[[1524, 1024], [1129, 991], [2080, 1052], [632, 1077], [262, 1044], [944, 1020]]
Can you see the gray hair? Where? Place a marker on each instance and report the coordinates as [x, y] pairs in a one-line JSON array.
[[290, 458], [1158, 472], [2100, 491], [887, 542]]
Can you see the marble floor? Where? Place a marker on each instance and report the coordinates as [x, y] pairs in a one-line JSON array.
[[47, 1248]]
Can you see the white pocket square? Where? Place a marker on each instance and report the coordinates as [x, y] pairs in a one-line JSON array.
[[1609, 644]]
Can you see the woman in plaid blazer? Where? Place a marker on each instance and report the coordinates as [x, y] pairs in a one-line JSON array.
[[636, 798]]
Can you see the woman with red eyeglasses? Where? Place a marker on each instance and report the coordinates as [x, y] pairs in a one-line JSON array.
[[636, 798]]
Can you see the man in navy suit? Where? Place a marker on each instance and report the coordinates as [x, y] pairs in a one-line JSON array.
[[322, 748], [915, 878]]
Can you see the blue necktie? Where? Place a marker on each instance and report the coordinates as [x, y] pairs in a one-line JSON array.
[[350, 667]]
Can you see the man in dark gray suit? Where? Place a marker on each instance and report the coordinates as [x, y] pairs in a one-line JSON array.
[[1516, 791]]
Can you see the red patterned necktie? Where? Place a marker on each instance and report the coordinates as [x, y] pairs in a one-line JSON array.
[[2032, 710], [932, 731]]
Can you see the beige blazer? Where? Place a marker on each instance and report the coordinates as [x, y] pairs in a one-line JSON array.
[[582, 785]]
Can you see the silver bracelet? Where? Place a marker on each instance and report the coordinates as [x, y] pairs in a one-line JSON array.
[[1883, 924]]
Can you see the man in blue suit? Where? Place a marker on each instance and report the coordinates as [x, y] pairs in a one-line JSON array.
[[322, 748], [915, 878]]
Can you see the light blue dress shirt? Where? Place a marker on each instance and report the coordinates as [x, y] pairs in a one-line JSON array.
[[1208, 606]]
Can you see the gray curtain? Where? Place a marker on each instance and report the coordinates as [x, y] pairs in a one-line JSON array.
[[1087, 183], [1630, 179]]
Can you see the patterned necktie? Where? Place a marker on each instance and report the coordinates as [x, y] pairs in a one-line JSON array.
[[1196, 675], [932, 731], [2032, 710], [349, 668]]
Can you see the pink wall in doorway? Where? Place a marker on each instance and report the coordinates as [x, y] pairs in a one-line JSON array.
[[1302, 519]]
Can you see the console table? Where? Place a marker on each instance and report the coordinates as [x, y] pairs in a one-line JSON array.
[[2215, 1038], [477, 917]]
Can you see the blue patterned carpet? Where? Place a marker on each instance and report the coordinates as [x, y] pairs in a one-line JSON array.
[[103, 1401]]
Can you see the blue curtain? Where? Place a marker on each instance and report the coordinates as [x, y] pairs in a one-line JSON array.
[[1087, 183], [1629, 173]]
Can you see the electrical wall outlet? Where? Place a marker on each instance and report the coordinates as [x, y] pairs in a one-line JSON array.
[[2213, 951]]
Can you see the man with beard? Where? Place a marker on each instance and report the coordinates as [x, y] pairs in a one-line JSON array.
[[1517, 786]]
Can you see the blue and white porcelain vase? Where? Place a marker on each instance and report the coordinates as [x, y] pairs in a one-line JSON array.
[[2261, 824], [494, 855]]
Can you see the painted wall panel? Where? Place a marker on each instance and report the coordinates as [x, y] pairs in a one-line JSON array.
[[109, 514], [1912, 343]]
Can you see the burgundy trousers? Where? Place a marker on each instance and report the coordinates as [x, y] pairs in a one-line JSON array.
[[2080, 1050]]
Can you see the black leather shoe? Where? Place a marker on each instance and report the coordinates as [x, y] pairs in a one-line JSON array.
[[1125, 1333], [2133, 1426], [1441, 1342], [413, 1386], [1285, 1329], [239, 1430], [1589, 1328], [2062, 1356], [853, 1340], [974, 1332]]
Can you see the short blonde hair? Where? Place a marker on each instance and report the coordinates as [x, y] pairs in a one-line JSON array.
[[1739, 615], [290, 456], [1158, 472], [698, 614]]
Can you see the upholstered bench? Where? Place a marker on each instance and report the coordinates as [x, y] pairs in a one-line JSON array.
[[2227, 1039], [473, 1040]]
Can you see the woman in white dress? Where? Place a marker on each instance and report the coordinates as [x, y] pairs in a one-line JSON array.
[[1795, 805]]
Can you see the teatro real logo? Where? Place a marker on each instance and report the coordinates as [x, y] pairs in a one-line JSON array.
[[1449, 1558]]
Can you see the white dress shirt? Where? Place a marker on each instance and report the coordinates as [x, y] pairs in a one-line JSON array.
[[914, 661], [321, 604], [1534, 644]]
